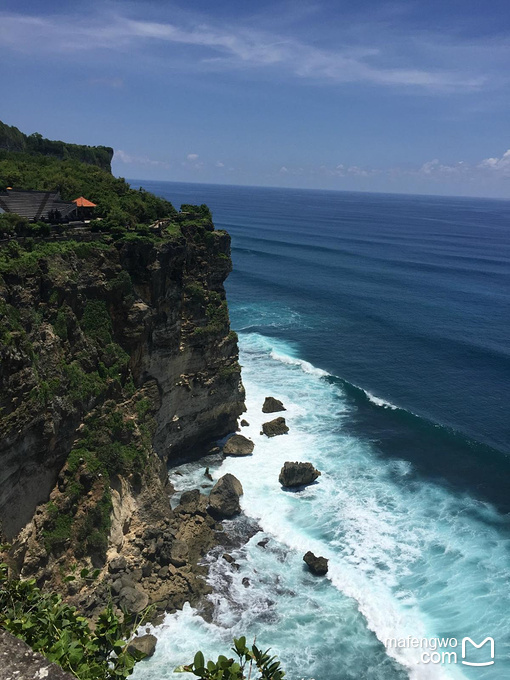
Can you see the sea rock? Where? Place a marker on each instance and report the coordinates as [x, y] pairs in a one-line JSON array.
[[317, 565], [244, 423], [224, 497], [297, 474], [272, 405], [275, 427], [190, 498], [144, 644], [238, 445]]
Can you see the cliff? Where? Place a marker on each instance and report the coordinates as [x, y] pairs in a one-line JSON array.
[[13, 140], [116, 358]]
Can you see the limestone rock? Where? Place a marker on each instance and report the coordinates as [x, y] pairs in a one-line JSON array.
[[238, 445], [298, 474], [179, 553], [272, 405], [317, 565], [146, 644], [224, 497], [190, 498], [19, 662], [275, 427], [117, 564], [134, 599]]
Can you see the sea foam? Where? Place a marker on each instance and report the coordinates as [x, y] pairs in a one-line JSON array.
[[407, 557]]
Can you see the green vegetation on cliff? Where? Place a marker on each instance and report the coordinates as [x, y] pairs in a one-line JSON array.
[[58, 631], [116, 202], [115, 352], [12, 139]]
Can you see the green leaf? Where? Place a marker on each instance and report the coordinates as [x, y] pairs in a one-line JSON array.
[[199, 661]]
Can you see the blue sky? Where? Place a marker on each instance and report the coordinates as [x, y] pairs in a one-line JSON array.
[[407, 96]]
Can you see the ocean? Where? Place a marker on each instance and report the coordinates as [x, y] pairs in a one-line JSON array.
[[382, 323]]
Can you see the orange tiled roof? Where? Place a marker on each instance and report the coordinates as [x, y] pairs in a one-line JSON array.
[[84, 203]]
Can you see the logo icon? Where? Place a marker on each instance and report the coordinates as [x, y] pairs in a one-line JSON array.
[[471, 663]]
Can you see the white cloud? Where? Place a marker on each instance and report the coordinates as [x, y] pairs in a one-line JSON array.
[[385, 58], [219, 164], [497, 165], [128, 159], [487, 171], [192, 156], [283, 170], [429, 167]]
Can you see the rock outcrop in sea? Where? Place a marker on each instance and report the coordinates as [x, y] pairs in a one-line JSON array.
[[275, 427], [238, 445], [317, 565], [297, 474], [272, 405], [224, 497]]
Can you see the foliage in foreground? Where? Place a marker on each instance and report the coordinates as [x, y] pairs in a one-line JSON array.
[[54, 628], [250, 660]]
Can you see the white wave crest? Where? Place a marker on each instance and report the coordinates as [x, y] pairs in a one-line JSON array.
[[380, 402], [305, 366]]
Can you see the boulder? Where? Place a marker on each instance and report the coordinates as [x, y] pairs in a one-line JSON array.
[[179, 553], [238, 445], [275, 427], [298, 474], [117, 564], [244, 423], [272, 405], [190, 498], [317, 565], [224, 497], [133, 599], [144, 644]]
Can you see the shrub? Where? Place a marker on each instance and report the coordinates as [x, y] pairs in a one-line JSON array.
[[96, 322], [248, 659], [58, 631]]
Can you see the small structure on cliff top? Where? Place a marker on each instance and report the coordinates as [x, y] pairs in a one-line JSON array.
[[84, 207], [37, 205]]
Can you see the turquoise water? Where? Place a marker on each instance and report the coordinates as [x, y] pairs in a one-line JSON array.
[[382, 324]]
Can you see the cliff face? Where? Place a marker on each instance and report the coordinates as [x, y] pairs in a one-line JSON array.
[[114, 357]]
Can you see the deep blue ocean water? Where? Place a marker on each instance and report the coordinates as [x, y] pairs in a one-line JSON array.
[[382, 322]]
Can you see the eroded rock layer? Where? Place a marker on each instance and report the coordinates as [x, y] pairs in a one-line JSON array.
[[116, 359]]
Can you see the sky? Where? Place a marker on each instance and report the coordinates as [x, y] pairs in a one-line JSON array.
[[409, 96]]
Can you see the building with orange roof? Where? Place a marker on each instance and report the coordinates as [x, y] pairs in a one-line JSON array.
[[84, 207], [82, 202]]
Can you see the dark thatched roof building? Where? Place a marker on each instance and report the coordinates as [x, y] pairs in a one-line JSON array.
[[37, 205]]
